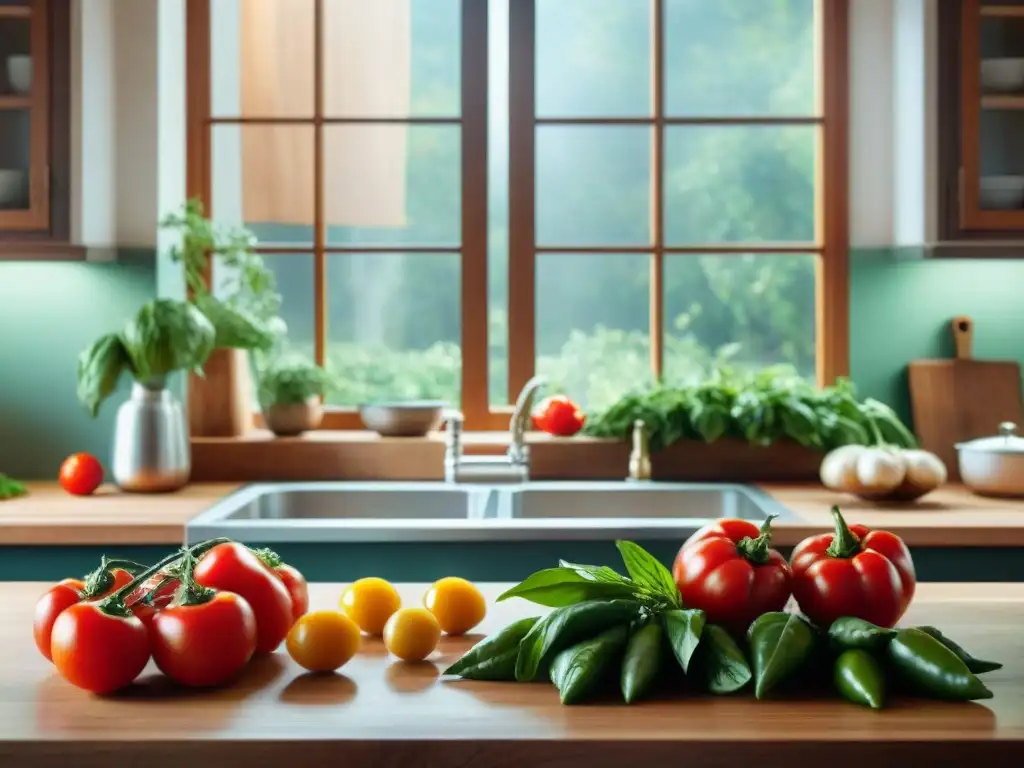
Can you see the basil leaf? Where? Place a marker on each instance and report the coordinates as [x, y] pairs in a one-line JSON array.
[[684, 628], [647, 571], [642, 662], [494, 657], [565, 627], [579, 671], [780, 645], [559, 587], [721, 662], [600, 573]]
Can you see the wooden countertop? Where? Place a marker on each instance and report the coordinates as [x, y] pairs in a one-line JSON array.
[[383, 712], [951, 516]]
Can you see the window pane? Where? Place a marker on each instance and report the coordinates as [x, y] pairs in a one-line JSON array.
[[15, 157], [593, 185], [740, 57], [394, 326], [261, 58], [593, 325], [294, 276], [497, 204], [392, 58], [747, 310], [593, 58], [1002, 160], [728, 184], [392, 185], [263, 178]]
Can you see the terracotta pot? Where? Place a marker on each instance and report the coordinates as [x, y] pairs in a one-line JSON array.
[[220, 403], [291, 419]]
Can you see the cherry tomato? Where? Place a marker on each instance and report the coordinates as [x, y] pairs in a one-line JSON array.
[[297, 588], [53, 602], [233, 567], [559, 416], [205, 644], [98, 651], [457, 604], [322, 641], [81, 474]]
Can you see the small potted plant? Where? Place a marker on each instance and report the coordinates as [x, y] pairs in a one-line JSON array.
[[290, 392]]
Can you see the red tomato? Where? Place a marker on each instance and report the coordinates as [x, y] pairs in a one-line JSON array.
[[297, 588], [559, 416], [205, 644], [728, 570], [53, 602], [853, 572], [154, 595], [81, 474], [97, 651], [233, 567]]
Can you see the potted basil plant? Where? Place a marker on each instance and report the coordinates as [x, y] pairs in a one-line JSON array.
[[151, 438], [290, 393]]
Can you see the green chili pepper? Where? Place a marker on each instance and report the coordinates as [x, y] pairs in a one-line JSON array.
[[494, 657], [579, 671], [859, 678], [850, 632], [642, 662], [977, 666], [930, 668]]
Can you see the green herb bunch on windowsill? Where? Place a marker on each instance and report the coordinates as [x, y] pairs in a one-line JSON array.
[[760, 407], [11, 488], [290, 390]]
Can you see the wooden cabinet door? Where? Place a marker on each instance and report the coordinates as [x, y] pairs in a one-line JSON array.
[[24, 115], [992, 115]]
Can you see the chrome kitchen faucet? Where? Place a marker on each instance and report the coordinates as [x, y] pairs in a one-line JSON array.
[[513, 467]]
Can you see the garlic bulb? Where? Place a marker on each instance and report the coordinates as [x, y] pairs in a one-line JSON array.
[[882, 473]]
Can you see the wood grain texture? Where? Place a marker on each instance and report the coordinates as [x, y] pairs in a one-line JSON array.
[[382, 712], [49, 515]]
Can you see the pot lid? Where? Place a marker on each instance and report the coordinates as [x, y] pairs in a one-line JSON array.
[[1006, 441]]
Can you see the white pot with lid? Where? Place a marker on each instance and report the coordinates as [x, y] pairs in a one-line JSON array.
[[994, 466]]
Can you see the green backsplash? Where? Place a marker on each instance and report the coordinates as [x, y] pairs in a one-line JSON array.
[[48, 313], [900, 310]]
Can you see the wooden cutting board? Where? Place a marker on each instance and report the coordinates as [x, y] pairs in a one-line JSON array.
[[963, 398]]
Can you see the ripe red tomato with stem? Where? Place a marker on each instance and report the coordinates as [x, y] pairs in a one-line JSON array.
[[293, 580], [853, 572], [729, 570], [109, 577], [81, 474], [233, 567], [558, 415], [204, 637]]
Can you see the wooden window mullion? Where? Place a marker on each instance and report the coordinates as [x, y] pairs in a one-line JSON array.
[[657, 296], [319, 226]]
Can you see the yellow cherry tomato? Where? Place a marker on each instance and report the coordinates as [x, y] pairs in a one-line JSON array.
[[411, 634], [369, 603], [456, 603], [322, 641]]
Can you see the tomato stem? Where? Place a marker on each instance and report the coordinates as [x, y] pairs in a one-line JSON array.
[[190, 592], [100, 580], [114, 603], [269, 557], [756, 549], [845, 542]]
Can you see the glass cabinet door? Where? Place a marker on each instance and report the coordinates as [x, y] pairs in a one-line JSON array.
[[993, 114], [23, 115]]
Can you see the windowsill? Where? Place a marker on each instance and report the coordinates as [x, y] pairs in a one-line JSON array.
[[41, 250], [352, 455]]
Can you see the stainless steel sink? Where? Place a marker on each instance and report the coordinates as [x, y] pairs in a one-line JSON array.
[[388, 512]]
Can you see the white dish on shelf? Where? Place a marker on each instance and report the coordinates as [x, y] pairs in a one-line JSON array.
[[1002, 75], [12, 187], [1002, 192], [19, 73]]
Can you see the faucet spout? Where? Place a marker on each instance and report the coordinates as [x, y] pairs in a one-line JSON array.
[[521, 418]]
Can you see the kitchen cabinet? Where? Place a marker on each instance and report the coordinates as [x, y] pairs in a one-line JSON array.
[[981, 123], [34, 126]]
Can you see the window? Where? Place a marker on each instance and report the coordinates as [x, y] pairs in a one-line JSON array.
[[457, 194]]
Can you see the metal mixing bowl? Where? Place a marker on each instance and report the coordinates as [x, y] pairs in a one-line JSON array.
[[414, 418]]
